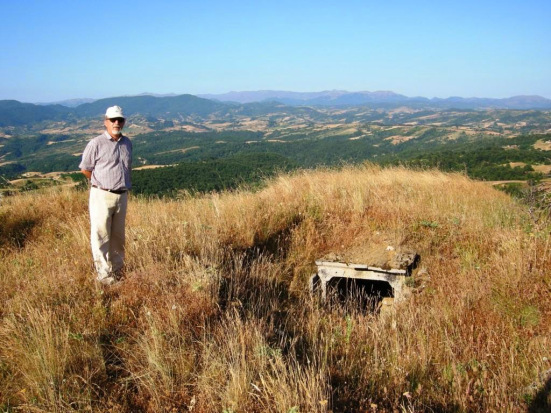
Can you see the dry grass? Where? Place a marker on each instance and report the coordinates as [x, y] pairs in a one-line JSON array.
[[214, 313]]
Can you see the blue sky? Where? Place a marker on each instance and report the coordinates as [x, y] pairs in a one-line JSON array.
[[54, 50]]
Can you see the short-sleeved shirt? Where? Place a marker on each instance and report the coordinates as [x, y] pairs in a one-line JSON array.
[[110, 161]]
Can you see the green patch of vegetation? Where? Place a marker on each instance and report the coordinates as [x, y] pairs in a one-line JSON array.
[[429, 224], [514, 189], [10, 171], [29, 186], [211, 175], [488, 161], [529, 316]]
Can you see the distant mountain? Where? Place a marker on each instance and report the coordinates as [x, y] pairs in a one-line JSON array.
[[267, 95], [70, 103], [157, 95], [168, 106], [73, 103], [515, 102], [383, 98], [351, 98], [14, 113]]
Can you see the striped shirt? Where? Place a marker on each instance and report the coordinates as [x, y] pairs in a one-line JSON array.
[[110, 161]]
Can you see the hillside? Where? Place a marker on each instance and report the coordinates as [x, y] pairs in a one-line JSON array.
[[214, 314], [24, 117], [171, 106], [185, 129], [14, 113]]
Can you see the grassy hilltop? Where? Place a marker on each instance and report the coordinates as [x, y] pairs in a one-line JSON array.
[[215, 316]]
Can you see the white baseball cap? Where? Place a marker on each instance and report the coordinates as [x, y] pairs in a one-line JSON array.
[[114, 112]]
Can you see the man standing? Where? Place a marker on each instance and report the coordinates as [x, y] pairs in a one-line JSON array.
[[107, 162]]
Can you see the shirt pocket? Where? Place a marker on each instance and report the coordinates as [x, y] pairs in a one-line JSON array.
[[124, 154]]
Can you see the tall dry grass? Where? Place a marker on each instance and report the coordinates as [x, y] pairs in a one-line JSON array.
[[214, 313]]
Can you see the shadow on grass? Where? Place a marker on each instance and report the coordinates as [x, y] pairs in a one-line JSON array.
[[114, 384], [255, 293], [542, 400], [15, 232], [249, 292]]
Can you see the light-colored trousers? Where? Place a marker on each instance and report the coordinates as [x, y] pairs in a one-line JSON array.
[[107, 217]]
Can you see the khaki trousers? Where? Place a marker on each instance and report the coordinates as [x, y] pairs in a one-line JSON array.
[[107, 217]]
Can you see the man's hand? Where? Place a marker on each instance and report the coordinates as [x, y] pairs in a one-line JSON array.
[[87, 174]]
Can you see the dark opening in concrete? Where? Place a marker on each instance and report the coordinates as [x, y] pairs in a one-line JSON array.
[[362, 294]]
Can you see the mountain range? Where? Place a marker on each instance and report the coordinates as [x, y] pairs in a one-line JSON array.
[[384, 98], [346, 98], [15, 113]]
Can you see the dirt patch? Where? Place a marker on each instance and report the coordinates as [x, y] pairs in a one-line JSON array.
[[543, 145], [545, 169], [337, 131], [31, 174], [493, 183], [397, 139], [188, 128], [379, 251], [148, 167], [218, 126], [40, 175], [433, 116], [255, 125], [542, 168], [403, 109], [183, 150], [360, 137], [137, 129]]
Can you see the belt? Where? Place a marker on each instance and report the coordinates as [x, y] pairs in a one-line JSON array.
[[113, 191]]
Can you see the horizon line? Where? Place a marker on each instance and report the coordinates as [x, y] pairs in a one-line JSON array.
[[174, 94]]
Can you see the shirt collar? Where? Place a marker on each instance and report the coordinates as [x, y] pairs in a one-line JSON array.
[[107, 136]]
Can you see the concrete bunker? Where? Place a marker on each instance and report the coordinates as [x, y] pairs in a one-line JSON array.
[[372, 286]]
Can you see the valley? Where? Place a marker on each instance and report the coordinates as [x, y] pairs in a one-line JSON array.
[[491, 144]]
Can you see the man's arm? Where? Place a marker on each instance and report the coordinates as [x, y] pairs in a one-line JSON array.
[[88, 162]]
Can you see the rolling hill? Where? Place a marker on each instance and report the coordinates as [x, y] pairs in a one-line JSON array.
[[214, 313], [14, 113], [488, 144]]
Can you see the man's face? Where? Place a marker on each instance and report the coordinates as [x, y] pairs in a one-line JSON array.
[[114, 126]]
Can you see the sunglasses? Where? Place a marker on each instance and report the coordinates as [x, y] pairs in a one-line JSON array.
[[121, 120]]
